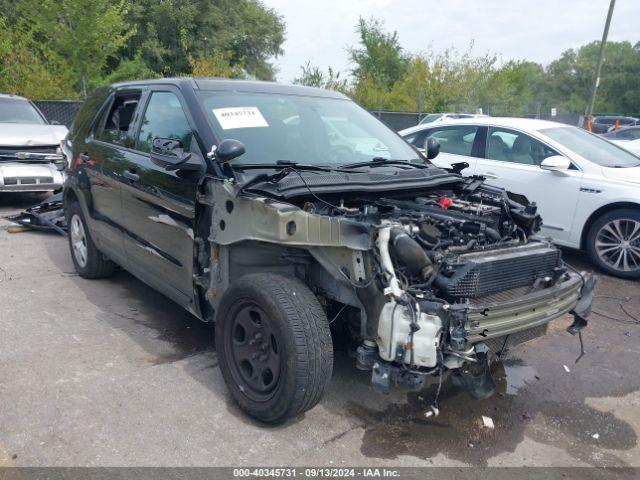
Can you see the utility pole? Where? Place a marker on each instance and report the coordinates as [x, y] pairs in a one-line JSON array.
[[592, 102]]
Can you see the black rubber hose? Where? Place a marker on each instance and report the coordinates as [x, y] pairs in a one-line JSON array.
[[492, 234], [410, 253]]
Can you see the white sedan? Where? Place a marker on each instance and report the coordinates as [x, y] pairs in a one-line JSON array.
[[587, 189]]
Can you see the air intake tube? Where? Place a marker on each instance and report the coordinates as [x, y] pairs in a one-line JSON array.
[[411, 254]]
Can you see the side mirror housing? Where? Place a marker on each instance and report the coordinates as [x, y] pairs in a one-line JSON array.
[[431, 148], [168, 153], [228, 149], [555, 163]]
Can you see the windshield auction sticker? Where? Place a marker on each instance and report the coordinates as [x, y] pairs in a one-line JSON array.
[[239, 117]]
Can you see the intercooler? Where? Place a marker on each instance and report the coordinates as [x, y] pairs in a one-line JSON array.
[[478, 274]]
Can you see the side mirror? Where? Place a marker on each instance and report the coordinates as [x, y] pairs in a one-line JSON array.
[[555, 163], [431, 148], [168, 153], [228, 149]]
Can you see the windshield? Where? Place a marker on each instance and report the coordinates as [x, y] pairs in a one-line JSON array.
[[432, 117], [592, 147], [13, 110], [294, 128]]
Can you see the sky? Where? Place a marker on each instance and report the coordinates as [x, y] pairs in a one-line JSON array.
[[538, 30]]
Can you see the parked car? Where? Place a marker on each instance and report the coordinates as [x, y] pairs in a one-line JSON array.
[[627, 137], [30, 158], [442, 117], [608, 123], [587, 189], [270, 228]]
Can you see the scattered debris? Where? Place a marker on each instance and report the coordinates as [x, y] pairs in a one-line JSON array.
[[627, 334], [488, 422], [596, 436], [433, 412], [566, 369], [47, 215], [17, 229]]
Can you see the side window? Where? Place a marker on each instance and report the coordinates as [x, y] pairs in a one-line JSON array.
[[165, 118], [118, 120], [411, 138], [516, 147], [457, 140], [416, 138]]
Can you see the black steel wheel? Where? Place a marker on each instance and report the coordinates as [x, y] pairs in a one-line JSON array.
[[274, 346], [253, 346]]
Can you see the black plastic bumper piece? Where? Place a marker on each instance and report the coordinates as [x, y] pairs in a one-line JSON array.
[[582, 310]]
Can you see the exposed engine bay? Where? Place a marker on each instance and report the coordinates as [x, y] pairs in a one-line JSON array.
[[437, 278]]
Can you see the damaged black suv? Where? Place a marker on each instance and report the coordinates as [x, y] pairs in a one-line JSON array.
[[288, 216]]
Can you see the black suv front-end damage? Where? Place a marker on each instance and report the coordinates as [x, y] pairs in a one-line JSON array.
[[426, 272]]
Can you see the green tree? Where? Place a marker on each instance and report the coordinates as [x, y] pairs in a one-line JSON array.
[[28, 68], [570, 78], [379, 62], [130, 69], [170, 34], [313, 76], [86, 33], [216, 64]]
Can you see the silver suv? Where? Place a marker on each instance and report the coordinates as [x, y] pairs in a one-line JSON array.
[[30, 158]]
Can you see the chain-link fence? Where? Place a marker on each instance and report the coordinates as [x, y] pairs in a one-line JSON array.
[[58, 111], [63, 111], [399, 120]]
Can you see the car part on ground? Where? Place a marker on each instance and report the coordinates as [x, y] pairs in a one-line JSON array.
[[248, 213], [46, 215]]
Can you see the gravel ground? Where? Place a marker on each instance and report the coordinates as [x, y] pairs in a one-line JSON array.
[[111, 373]]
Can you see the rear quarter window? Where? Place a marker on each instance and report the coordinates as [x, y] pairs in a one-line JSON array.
[[87, 114]]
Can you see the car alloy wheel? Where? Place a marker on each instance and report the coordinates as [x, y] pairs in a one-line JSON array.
[[618, 244], [78, 240], [255, 352]]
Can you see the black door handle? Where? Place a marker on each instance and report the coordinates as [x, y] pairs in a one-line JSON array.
[[133, 177]]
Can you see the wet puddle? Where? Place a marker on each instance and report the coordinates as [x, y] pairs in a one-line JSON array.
[[517, 375], [520, 405]]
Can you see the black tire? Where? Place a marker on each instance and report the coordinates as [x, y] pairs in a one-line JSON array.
[[289, 314], [604, 232], [95, 265]]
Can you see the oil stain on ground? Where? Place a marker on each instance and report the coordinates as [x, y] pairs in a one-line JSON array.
[[458, 432]]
